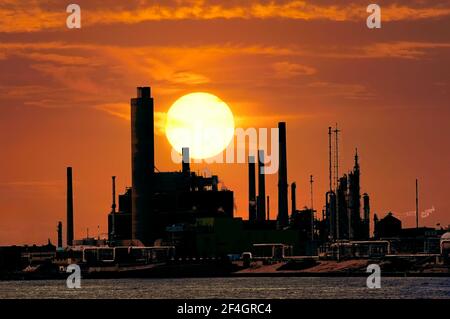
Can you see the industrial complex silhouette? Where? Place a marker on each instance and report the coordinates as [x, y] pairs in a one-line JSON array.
[[166, 216]]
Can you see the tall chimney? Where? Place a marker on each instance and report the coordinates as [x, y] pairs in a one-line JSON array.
[[186, 169], [417, 203], [142, 166], [311, 182], [251, 189], [330, 170], [294, 197], [69, 207], [261, 209], [112, 218], [59, 230], [113, 206], [283, 217], [366, 201]]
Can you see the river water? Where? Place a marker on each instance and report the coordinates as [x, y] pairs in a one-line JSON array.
[[223, 288]]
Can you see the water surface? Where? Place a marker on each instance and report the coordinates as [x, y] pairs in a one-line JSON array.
[[223, 288]]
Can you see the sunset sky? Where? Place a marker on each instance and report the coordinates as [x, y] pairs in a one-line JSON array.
[[64, 98]]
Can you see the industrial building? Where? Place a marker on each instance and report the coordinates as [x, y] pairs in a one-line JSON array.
[[157, 200], [190, 213], [423, 240], [342, 212], [165, 217]]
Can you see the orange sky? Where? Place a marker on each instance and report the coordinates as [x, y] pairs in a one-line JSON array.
[[64, 97]]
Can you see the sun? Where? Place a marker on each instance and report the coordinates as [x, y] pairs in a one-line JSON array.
[[202, 122]]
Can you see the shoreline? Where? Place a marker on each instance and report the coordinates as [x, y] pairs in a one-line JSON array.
[[330, 269], [21, 277]]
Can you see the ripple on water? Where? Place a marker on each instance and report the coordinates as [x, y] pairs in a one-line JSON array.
[[236, 288]]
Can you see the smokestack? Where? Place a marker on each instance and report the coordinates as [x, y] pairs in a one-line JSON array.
[[330, 170], [261, 209], [417, 203], [113, 206], [311, 181], [283, 217], [294, 197], [186, 169], [366, 201], [142, 166], [112, 231], [251, 189], [69, 207], [59, 229]]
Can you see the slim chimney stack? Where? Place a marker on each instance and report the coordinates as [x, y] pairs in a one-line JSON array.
[[186, 169], [330, 160], [113, 206], [60, 235], [261, 209], [294, 197], [417, 203], [69, 207], [283, 217], [251, 189]]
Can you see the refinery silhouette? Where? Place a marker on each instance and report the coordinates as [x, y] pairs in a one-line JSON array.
[[181, 224]]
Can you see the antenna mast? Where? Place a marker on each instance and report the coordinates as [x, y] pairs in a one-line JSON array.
[[330, 159], [337, 131]]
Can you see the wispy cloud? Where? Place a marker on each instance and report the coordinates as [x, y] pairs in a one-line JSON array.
[[267, 120], [20, 16], [402, 49], [286, 70], [54, 186], [347, 91], [122, 111], [83, 74], [377, 50]]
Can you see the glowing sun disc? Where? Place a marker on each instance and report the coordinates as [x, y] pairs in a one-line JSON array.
[[202, 122]]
